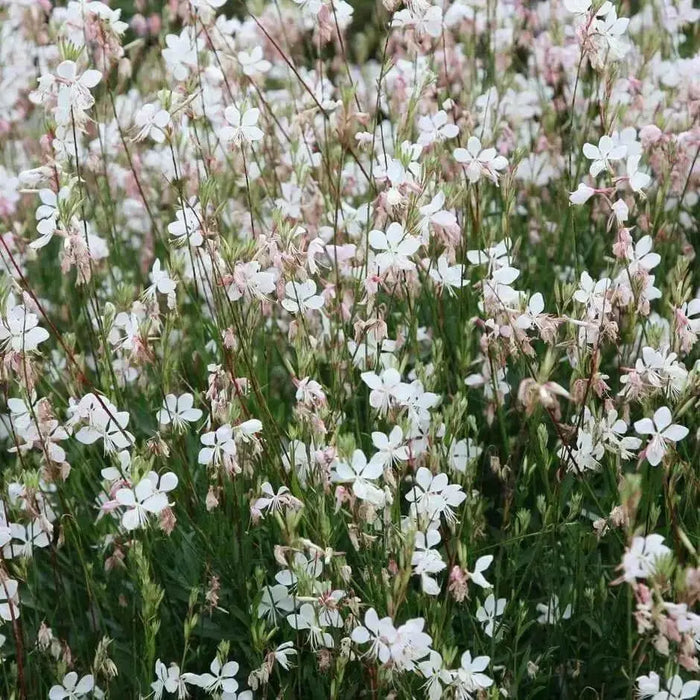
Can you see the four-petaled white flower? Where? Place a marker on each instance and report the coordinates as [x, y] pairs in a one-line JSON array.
[[242, 128], [637, 180], [9, 602], [676, 689], [470, 678], [301, 297], [20, 330], [489, 612], [219, 445], [252, 61], [663, 431], [179, 411], [168, 679], [480, 162], [307, 618], [426, 561], [149, 497], [379, 632], [360, 474], [71, 688], [603, 154], [395, 248], [162, 283], [222, 678], [449, 277], [433, 495], [550, 613], [390, 448], [640, 559], [152, 121]]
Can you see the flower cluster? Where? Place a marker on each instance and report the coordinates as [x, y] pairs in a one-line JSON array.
[[359, 343]]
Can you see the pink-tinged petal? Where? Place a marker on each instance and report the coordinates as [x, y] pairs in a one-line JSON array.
[[655, 452]]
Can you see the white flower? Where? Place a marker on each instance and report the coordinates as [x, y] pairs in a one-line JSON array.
[[168, 679], [477, 576], [426, 561], [274, 502], [638, 181], [301, 297], [433, 495], [149, 497], [219, 445], [469, 677], [480, 162], [275, 602], [47, 214], [550, 613], [450, 277], [603, 154], [241, 127], [151, 121], [662, 431], [381, 633], [648, 686], [247, 430], [308, 619], [72, 688], [535, 307], [162, 283], [360, 474], [434, 127], [20, 330], [582, 194], [390, 448], [410, 644], [462, 453], [308, 569], [639, 560], [109, 426], [253, 62], [641, 257], [395, 247], [29, 537], [9, 602], [423, 17], [385, 388], [433, 214], [610, 29], [208, 4], [577, 7], [282, 654], [678, 690], [220, 680], [187, 227], [180, 53], [488, 613], [250, 281], [78, 85], [178, 410]]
